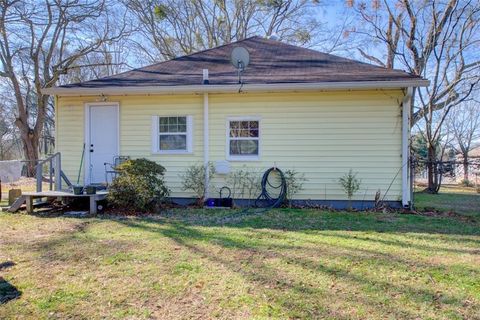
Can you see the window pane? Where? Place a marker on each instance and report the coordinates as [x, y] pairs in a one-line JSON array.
[[244, 147], [173, 142], [172, 127], [173, 124], [244, 124], [244, 129], [234, 133], [182, 128], [163, 127]]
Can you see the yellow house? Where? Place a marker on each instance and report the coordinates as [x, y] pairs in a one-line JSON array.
[[292, 108]]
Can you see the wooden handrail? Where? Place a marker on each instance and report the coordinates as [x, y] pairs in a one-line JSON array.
[[58, 169]]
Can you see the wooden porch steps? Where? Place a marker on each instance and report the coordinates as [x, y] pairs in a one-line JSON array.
[[20, 202], [28, 197]]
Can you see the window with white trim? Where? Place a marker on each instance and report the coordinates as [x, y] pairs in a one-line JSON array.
[[172, 134], [243, 139]]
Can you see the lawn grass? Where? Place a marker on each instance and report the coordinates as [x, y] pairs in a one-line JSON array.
[[461, 200], [289, 263]]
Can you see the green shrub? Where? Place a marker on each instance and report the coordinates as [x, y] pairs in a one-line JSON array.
[[295, 181], [139, 185], [194, 180], [466, 183], [350, 185]]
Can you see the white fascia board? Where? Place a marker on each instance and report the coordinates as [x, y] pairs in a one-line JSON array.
[[207, 88]]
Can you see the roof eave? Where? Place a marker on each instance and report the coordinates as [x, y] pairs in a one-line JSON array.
[[356, 85]]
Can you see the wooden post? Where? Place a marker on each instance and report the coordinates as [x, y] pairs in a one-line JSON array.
[[13, 195], [39, 169], [93, 204], [58, 173], [29, 202]]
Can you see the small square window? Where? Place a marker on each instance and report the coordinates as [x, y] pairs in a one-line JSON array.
[[172, 134], [243, 139]]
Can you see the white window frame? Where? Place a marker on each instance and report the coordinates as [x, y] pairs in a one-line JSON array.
[[156, 135], [228, 139]]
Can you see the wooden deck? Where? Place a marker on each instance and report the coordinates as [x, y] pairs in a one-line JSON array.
[[93, 198]]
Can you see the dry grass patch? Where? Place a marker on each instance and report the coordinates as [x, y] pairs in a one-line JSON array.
[[284, 264]]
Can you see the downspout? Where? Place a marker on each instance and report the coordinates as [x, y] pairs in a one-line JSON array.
[[55, 106], [406, 111], [205, 134]]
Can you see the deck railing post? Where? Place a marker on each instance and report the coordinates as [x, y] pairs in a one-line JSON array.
[[50, 174], [39, 174], [58, 172], [55, 167]]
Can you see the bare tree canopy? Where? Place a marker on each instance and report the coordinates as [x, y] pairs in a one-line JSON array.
[[463, 123], [169, 28], [438, 40], [39, 42]]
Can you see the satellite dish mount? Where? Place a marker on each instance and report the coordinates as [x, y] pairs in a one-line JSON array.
[[240, 59]]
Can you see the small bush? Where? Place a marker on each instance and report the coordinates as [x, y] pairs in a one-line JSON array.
[[139, 185], [194, 180], [244, 183], [350, 185], [295, 181], [466, 183]]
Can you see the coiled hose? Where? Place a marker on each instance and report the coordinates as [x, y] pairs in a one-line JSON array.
[[265, 196]]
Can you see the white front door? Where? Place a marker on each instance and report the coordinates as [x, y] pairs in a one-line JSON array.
[[102, 144]]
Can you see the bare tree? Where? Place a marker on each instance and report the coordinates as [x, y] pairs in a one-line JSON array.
[[169, 28], [436, 39], [8, 135], [39, 42], [464, 124]]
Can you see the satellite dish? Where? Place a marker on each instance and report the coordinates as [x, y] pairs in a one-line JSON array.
[[240, 58]]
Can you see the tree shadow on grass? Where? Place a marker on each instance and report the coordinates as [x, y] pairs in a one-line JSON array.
[[8, 291], [249, 245], [259, 273], [309, 220]]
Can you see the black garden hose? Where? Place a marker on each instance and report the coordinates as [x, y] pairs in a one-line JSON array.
[[272, 202], [265, 196]]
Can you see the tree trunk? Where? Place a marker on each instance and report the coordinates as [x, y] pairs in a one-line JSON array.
[[465, 167], [432, 169], [30, 140]]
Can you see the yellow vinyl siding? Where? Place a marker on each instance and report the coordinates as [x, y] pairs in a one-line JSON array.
[[136, 114], [70, 135], [136, 132], [321, 134]]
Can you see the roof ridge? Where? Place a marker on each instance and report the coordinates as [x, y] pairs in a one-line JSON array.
[[165, 61], [210, 49], [331, 55], [177, 58], [299, 64]]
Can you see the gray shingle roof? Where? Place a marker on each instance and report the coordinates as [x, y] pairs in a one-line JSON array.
[[271, 62]]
